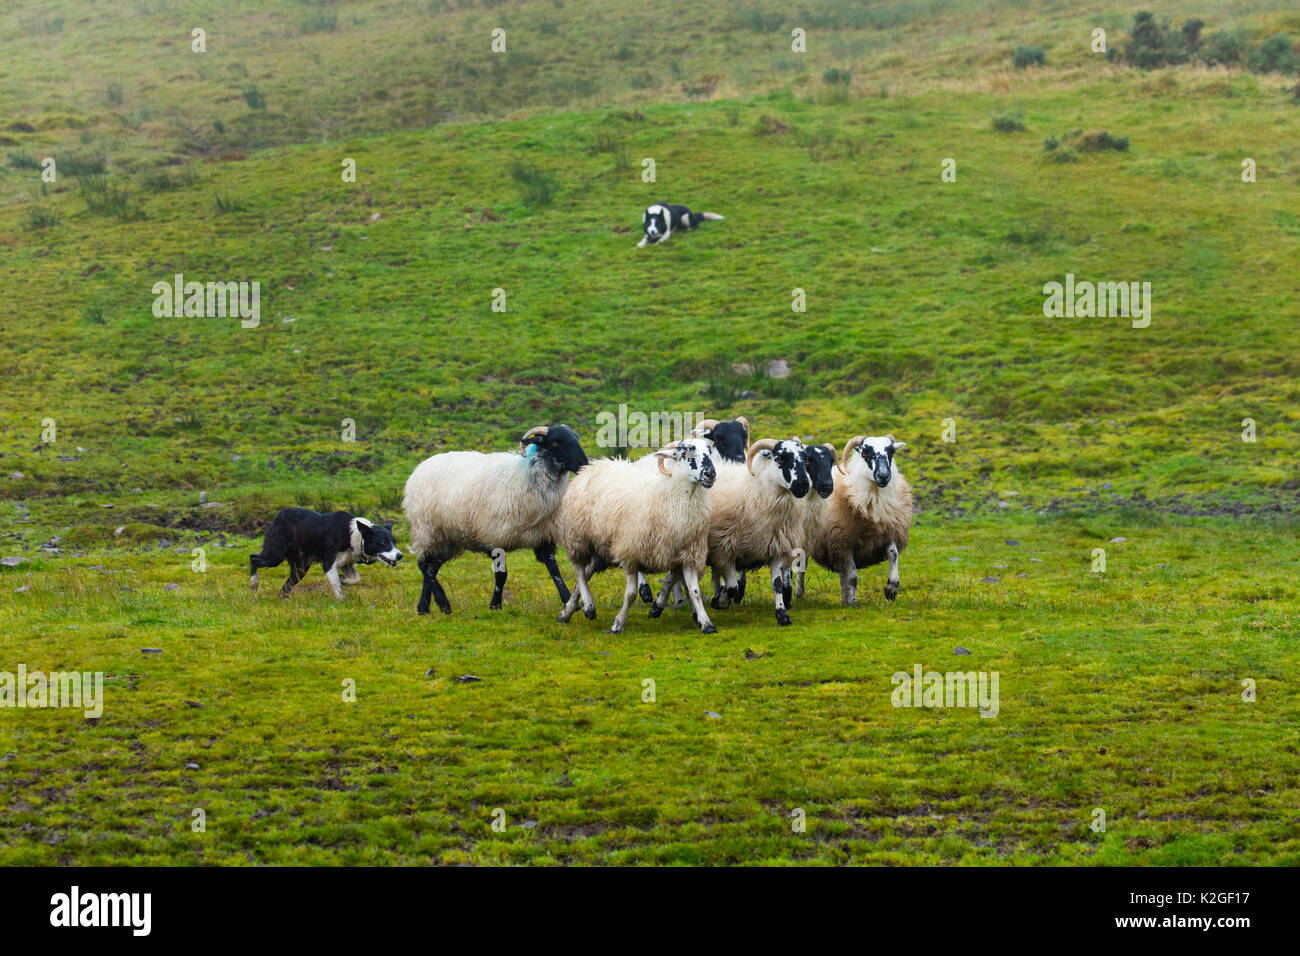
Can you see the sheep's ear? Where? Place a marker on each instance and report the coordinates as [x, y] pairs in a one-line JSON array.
[[900, 444]]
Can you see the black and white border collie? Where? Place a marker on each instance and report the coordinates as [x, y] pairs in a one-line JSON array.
[[338, 541], [661, 220]]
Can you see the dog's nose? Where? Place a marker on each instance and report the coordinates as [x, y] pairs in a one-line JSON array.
[[399, 556]]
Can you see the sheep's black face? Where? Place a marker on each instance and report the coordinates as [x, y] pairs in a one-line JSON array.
[[821, 469], [730, 439], [560, 449], [878, 453], [790, 459], [377, 543]]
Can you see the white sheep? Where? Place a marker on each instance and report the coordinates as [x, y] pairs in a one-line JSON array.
[[490, 503], [868, 516], [756, 520], [622, 512]]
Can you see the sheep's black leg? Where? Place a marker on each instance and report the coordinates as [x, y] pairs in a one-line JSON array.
[[643, 586], [498, 557], [738, 592], [432, 588], [545, 553]]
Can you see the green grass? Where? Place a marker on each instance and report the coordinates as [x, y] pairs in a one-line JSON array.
[[924, 317], [1120, 691]]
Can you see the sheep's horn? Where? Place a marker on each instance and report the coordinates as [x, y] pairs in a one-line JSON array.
[[702, 428], [744, 421], [531, 433], [854, 442], [662, 470], [763, 444]]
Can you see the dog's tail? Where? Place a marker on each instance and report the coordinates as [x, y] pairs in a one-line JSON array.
[[711, 215]]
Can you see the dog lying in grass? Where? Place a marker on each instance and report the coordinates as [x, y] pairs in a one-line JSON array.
[[662, 219], [337, 541]]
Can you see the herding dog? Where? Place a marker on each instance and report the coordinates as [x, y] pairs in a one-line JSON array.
[[663, 219], [339, 541]]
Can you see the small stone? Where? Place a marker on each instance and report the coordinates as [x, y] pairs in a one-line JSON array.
[[751, 656], [990, 580], [778, 368], [151, 650], [529, 824], [1107, 486], [171, 586], [1118, 540], [429, 672], [17, 476], [194, 703], [9, 756], [12, 562], [191, 766], [748, 394], [712, 715], [961, 650], [119, 529], [1036, 560], [374, 216], [1012, 542], [203, 496], [954, 560], [468, 679]]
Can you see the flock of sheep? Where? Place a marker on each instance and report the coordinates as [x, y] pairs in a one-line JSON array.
[[713, 499]]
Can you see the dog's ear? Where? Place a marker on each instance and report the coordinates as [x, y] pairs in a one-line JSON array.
[[388, 525]]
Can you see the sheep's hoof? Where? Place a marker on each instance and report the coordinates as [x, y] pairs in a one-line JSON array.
[[782, 618], [736, 594], [709, 629], [589, 613], [647, 595], [494, 606], [715, 603], [655, 611], [891, 590], [616, 628]]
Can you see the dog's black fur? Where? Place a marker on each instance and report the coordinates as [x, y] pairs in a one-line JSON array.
[[661, 220], [338, 542]]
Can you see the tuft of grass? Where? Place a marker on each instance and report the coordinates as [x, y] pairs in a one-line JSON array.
[[319, 21], [1008, 123], [254, 98], [40, 217], [20, 159], [538, 187], [225, 203], [1026, 56], [104, 197]]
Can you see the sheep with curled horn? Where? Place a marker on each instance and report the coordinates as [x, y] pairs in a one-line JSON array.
[[652, 514], [462, 501], [730, 441], [756, 520], [869, 515]]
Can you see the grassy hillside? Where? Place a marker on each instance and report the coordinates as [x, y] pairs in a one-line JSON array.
[[523, 172]]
